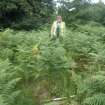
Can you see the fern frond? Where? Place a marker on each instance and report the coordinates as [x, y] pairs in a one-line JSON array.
[[98, 99]]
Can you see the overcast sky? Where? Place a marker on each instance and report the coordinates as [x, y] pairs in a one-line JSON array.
[[92, 0], [98, 0]]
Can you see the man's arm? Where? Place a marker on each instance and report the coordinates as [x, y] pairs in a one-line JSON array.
[[52, 28], [63, 29]]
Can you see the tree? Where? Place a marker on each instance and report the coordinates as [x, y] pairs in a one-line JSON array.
[[23, 13], [82, 11]]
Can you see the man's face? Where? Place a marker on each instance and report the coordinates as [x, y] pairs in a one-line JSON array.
[[59, 19]]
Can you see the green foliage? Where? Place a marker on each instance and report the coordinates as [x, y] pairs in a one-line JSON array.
[[8, 81], [82, 11], [51, 68], [71, 68], [25, 14], [91, 90], [95, 100]]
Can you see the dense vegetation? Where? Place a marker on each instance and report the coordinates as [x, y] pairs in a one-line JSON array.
[[35, 70], [34, 14], [82, 11], [25, 14]]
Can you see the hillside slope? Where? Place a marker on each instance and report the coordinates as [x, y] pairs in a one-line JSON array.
[[35, 69]]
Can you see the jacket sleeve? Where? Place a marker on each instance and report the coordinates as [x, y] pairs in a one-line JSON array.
[[53, 29], [63, 29]]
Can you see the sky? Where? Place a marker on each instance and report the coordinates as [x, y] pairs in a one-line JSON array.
[[98, 0], [95, 1]]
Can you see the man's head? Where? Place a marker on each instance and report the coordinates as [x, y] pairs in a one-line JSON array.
[[59, 19]]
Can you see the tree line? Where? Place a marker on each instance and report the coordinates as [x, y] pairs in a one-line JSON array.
[[31, 14], [26, 14], [82, 11]]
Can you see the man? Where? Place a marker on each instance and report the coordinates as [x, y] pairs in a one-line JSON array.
[[58, 28]]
